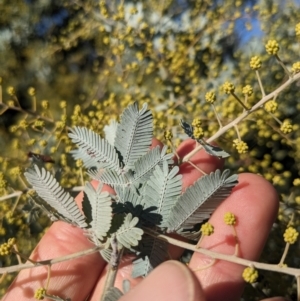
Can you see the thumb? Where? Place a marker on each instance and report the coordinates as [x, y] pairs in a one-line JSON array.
[[172, 281]]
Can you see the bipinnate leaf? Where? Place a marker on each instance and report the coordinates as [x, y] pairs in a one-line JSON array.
[[54, 195], [144, 166], [134, 134], [128, 235], [200, 200], [212, 150], [162, 190], [154, 252], [93, 150], [100, 202]]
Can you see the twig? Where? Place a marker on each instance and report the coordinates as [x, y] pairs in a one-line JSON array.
[[260, 83], [19, 267], [12, 195], [244, 115], [113, 266], [230, 258]]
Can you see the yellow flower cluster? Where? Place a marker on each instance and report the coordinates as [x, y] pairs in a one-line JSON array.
[[207, 229], [45, 104], [286, 127], [133, 11], [6, 247], [240, 146], [297, 29], [229, 219], [247, 90], [11, 91], [63, 104], [10, 103], [196, 122], [43, 143], [228, 87], [2, 231], [290, 235], [255, 63], [39, 123], [3, 182], [271, 106], [168, 135], [272, 47], [210, 97], [79, 163], [16, 171], [296, 182], [23, 124], [39, 294], [13, 128], [198, 132], [31, 91], [31, 142], [296, 67], [250, 275]]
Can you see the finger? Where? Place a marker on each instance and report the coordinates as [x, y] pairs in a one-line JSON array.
[[66, 277], [201, 159], [254, 201], [170, 281]]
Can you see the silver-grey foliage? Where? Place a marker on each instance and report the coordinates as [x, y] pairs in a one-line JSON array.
[[134, 134], [200, 200], [53, 194], [162, 190], [100, 202], [148, 192], [93, 150]]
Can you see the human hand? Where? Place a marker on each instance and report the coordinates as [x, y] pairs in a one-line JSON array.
[[255, 203]]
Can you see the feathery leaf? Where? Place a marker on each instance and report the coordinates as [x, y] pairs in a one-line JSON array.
[[134, 134], [93, 150], [128, 235], [162, 190], [101, 210], [52, 193], [200, 200]]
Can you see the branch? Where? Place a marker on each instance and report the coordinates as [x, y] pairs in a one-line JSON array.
[[19, 267], [244, 115], [231, 258]]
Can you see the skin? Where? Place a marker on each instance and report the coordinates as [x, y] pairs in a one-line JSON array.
[[254, 201]]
